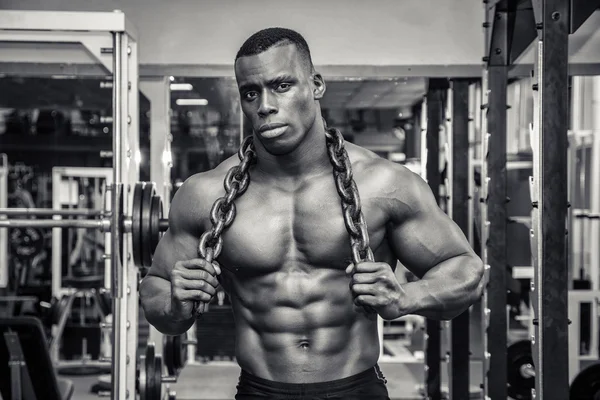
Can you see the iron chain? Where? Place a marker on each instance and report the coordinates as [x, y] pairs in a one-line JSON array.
[[223, 211], [237, 181], [346, 188]]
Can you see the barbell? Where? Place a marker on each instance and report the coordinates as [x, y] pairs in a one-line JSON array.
[[521, 376], [146, 222], [150, 378]]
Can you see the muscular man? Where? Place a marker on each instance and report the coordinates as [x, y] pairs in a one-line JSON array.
[[304, 310]]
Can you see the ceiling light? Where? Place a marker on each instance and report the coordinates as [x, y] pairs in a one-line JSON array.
[[181, 86], [191, 102]]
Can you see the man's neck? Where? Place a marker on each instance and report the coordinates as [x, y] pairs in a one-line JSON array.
[[310, 158]]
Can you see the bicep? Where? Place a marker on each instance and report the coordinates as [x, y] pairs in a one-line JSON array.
[[180, 241], [172, 247], [425, 236]]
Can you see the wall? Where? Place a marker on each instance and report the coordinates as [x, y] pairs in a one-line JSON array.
[[438, 33]]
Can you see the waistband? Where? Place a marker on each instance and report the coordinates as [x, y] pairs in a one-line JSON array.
[[281, 388]]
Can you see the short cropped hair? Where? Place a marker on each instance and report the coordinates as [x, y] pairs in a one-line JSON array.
[[264, 39]]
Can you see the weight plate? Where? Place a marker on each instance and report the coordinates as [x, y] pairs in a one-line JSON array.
[[174, 353], [147, 374], [136, 228], [181, 354], [146, 209], [158, 378], [518, 355], [26, 243], [156, 215], [586, 385], [169, 354]]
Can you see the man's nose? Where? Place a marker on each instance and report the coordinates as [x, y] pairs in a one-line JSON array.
[[268, 104]]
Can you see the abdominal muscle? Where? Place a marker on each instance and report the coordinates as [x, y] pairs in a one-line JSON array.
[[300, 325]]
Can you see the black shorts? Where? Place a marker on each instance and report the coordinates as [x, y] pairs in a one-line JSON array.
[[369, 384]]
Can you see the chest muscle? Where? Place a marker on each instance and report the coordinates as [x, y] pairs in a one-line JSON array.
[[274, 228]]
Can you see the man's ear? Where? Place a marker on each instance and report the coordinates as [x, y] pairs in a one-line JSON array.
[[318, 86]]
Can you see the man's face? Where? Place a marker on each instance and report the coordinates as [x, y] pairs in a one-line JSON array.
[[278, 95]]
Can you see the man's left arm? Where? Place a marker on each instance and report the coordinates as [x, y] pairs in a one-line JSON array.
[[429, 244]]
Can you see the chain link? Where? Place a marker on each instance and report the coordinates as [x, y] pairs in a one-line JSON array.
[[346, 188], [238, 178], [223, 210]]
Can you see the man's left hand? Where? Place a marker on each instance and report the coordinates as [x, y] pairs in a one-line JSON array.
[[374, 284]]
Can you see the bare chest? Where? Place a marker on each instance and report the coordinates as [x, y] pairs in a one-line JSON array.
[[274, 228]]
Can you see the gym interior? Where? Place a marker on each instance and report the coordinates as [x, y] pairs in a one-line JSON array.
[[106, 107]]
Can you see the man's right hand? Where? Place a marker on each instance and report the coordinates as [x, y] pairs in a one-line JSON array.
[[192, 281]]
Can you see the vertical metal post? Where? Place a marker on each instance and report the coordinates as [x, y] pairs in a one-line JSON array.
[[433, 328], [130, 123], [549, 195], [495, 189], [3, 232], [496, 241], [423, 139], [460, 354], [471, 168], [485, 311], [594, 188], [117, 275]]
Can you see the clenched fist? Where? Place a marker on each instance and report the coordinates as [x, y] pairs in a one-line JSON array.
[[192, 281], [375, 286]]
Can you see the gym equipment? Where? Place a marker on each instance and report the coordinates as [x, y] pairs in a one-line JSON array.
[[586, 385], [549, 142], [457, 120], [145, 224], [26, 243], [150, 378], [520, 370], [56, 309], [434, 113], [111, 40], [25, 359], [175, 353]]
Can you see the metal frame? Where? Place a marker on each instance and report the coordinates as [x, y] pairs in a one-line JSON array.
[[111, 39], [435, 110], [3, 232], [494, 197], [512, 31], [331, 71], [423, 139], [484, 233], [549, 199], [576, 299], [58, 174], [459, 175], [595, 189]]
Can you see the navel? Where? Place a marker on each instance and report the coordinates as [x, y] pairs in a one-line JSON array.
[[304, 344]]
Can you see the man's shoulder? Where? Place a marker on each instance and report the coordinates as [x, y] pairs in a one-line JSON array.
[[200, 190], [370, 166], [392, 183]]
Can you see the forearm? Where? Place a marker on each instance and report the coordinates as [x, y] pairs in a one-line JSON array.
[[446, 290], [155, 293]]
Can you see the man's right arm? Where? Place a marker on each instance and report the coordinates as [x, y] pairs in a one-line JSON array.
[[170, 315]]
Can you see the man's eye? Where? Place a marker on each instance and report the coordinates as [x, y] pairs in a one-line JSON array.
[[284, 86], [250, 95]]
